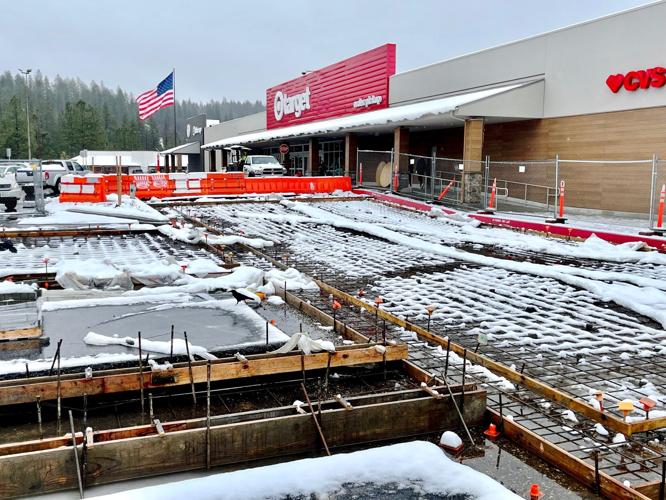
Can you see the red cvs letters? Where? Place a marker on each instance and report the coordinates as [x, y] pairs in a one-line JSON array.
[[634, 80]]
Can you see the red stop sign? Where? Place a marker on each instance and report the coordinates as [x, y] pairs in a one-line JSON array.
[[284, 148]]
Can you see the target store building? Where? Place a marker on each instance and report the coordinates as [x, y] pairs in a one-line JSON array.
[[595, 90]]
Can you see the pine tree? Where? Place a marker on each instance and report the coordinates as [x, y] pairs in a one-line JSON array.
[[56, 117], [13, 130]]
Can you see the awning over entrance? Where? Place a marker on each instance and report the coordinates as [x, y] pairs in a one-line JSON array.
[[527, 98], [191, 148]]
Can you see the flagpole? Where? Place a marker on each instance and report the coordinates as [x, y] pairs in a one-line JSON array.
[[174, 108]]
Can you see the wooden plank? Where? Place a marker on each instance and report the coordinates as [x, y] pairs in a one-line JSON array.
[[26, 390], [179, 425], [278, 437], [651, 489], [575, 467], [21, 333]]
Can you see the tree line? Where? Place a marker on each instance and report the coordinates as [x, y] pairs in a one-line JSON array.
[[68, 115]]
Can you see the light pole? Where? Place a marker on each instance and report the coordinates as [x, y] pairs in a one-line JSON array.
[[26, 73]]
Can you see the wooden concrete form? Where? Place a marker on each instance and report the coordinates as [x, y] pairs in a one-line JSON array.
[[236, 439], [609, 487], [650, 489], [29, 333], [122, 380]]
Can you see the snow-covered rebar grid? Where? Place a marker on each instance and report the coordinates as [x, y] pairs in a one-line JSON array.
[[565, 335], [122, 251]]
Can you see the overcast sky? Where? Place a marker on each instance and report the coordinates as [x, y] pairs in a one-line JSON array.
[[239, 48]]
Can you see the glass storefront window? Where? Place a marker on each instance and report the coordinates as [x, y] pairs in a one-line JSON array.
[[331, 157]]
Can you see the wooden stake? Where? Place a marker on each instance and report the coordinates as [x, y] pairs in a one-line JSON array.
[[143, 408], [76, 454], [151, 413], [189, 367], [314, 418]]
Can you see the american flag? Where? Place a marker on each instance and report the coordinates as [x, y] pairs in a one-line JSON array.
[[153, 100]]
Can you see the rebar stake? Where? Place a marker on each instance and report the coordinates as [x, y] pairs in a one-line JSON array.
[[189, 367], [39, 416], [143, 408], [76, 454]]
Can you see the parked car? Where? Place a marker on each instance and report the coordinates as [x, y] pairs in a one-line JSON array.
[[262, 165], [10, 190], [52, 171]]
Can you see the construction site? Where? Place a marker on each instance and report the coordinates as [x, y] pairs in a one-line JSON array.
[[150, 344]]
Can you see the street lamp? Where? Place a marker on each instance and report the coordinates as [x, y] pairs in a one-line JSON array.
[[26, 73]]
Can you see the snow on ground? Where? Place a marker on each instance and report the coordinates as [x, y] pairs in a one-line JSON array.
[[130, 211], [419, 468], [645, 301], [192, 235], [9, 287]]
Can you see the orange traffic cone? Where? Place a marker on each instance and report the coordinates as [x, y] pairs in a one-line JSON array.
[[535, 493], [491, 432]]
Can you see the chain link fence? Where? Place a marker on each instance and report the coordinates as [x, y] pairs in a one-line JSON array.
[[524, 187], [627, 190]]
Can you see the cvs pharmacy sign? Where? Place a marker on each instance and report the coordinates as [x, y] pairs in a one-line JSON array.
[[634, 80]]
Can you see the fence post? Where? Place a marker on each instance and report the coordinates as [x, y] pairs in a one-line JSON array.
[[433, 172], [557, 183], [356, 169], [653, 186], [485, 182], [391, 187]]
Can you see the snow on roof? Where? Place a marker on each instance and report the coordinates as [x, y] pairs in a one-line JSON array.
[[183, 148], [396, 114]]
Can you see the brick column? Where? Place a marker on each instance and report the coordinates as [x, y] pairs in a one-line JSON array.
[[472, 159], [313, 158], [351, 149]]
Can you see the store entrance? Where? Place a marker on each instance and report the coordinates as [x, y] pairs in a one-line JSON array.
[[299, 163]]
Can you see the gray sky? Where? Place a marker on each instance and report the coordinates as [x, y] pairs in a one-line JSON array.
[[239, 48]]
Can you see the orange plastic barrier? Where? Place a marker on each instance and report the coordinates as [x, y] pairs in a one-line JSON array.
[[79, 188], [198, 184]]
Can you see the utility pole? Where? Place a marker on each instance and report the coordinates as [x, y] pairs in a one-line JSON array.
[[26, 74]]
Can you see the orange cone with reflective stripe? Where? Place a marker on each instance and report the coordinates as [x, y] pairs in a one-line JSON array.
[[660, 211], [491, 205], [445, 190], [562, 200]]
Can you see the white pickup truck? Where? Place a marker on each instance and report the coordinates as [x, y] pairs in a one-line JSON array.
[[262, 165], [10, 191], [52, 171]]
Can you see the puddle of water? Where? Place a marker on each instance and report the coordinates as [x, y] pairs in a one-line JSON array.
[[210, 328]]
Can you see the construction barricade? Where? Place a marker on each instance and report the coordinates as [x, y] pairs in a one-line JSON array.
[[89, 188], [148, 186]]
